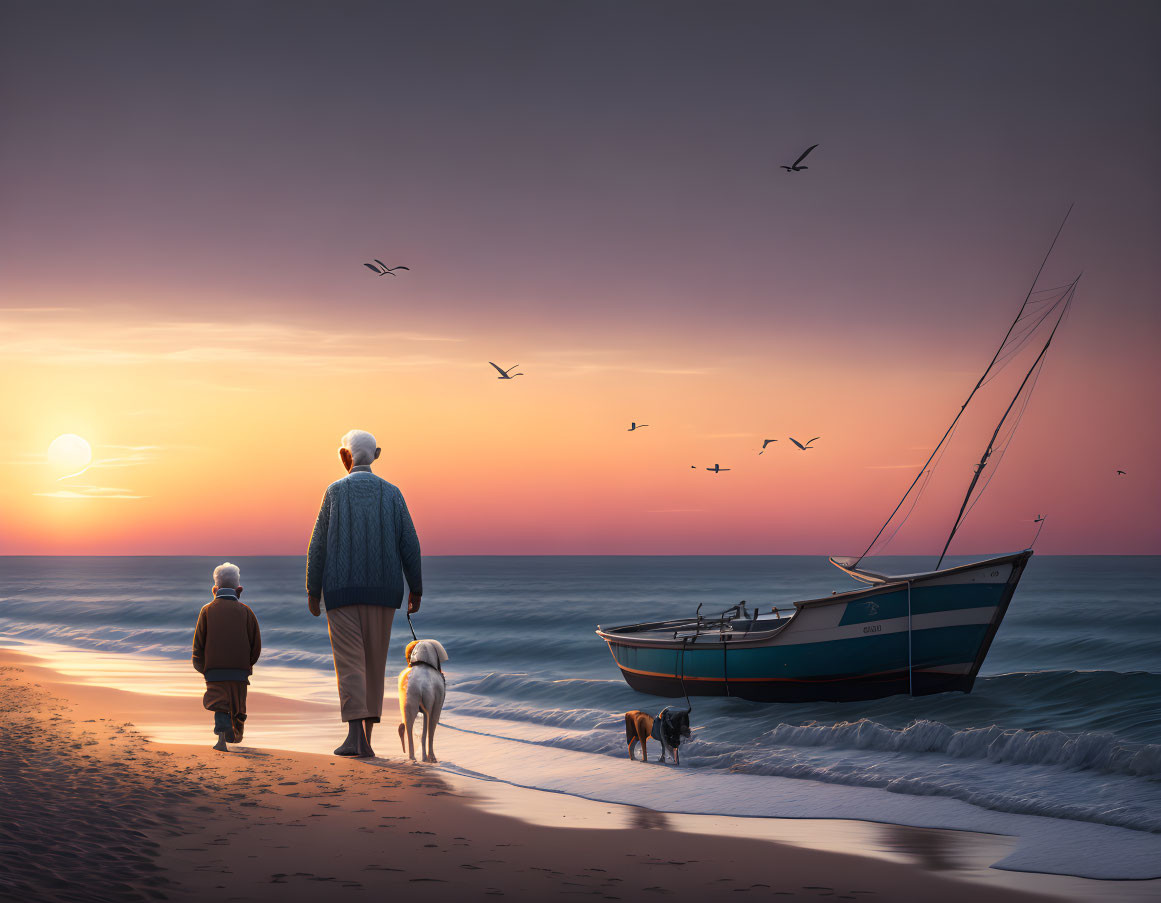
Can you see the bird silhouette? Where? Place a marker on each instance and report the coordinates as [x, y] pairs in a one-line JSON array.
[[1120, 473], [717, 468], [807, 446], [636, 426], [794, 167], [504, 373], [766, 442], [382, 269]]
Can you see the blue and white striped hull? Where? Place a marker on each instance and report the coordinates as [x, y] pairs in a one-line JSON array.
[[919, 634]]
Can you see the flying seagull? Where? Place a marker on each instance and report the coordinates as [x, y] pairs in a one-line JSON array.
[[504, 373], [1120, 473], [794, 167], [804, 447], [717, 468], [766, 442], [636, 426], [382, 269]]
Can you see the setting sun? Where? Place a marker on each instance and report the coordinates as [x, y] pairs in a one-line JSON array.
[[69, 455]]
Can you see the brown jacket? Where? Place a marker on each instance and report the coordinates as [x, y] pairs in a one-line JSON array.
[[226, 641]]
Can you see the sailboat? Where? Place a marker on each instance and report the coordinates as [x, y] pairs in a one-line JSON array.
[[917, 633]]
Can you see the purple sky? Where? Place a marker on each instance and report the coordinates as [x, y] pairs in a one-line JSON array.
[[603, 173]]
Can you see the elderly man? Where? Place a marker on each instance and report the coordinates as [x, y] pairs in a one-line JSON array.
[[363, 545]]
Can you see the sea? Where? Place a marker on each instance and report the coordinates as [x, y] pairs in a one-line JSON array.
[[1064, 722]]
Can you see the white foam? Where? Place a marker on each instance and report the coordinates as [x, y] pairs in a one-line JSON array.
[[1048, 845]]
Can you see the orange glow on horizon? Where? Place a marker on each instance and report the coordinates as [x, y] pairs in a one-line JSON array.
[[225, 447]]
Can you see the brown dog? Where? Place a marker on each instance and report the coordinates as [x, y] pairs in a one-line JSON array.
[[667, 728]]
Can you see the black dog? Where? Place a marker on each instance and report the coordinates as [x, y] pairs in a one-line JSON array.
[[668, 729]]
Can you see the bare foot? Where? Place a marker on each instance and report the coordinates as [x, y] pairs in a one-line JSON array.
[[364, 750], [356, 740], [220, 746]]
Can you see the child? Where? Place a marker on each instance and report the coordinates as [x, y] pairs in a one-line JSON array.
[[226, 645]]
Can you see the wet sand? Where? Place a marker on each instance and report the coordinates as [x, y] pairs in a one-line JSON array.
[[92, 810]]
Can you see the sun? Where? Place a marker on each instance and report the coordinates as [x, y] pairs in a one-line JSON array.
[[69, 454]]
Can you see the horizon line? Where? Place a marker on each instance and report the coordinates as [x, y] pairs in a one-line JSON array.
[[593, 555]]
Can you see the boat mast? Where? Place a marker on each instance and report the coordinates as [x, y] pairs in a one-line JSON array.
[[992, 442], [971, 395]]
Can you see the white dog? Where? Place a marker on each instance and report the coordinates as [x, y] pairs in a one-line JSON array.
[[421, 689]]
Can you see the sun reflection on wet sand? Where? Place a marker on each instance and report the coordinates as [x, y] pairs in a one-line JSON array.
[[303, 717], [158, 676]]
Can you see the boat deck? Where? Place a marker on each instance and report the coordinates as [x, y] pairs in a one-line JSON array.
[[705, 632]]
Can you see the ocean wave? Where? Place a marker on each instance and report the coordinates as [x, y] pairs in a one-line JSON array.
[[1017, 789], [576, 719], [1019, 799], [1092, 751]]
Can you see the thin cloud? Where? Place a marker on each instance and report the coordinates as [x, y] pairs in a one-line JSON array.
[[91, 492], [256, 344], [727, 435], [586, 369], [132, 455], [893, 466], [35, 310]]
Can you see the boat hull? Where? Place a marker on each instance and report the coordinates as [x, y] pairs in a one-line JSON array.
[[919, 635]]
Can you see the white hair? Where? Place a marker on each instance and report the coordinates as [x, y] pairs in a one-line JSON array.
[[361, 445], [227, 575]]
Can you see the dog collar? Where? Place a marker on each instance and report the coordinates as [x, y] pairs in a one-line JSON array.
[[433, 668]]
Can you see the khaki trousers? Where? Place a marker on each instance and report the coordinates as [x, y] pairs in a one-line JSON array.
[[359, 637], [227, 698]]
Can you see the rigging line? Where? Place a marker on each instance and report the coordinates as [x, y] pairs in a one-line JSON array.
[[1039, 310], [1001, 447], [1004, 442], [1055, 288], [1019, 344], [915, 501], [988, 450], [1006, 439], [971, 395]]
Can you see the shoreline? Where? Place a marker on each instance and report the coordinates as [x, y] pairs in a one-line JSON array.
[[574, 838]]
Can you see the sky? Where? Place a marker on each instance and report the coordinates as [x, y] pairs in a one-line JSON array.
[[592, 191]]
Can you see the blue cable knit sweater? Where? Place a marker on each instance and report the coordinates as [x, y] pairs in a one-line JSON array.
[[363, 544]]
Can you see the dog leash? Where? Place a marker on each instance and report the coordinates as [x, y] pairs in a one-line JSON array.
[[412, 626]]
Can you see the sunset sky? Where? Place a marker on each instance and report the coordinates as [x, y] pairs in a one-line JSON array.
[[591, 191]]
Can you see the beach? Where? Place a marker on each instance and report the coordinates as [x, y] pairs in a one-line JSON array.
[[94, 810]]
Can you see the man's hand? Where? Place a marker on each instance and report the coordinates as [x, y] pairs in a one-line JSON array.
[[312, 604], [412, 603]]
